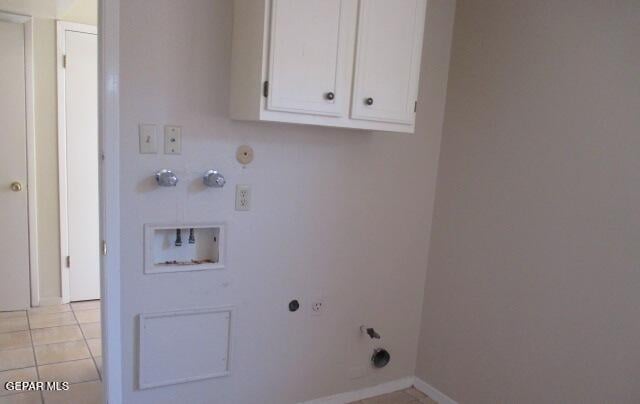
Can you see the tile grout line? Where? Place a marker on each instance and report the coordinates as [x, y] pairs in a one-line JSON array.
[[13, 317], [24, 347], [60, 342], [33, 351], [26, 316], [87, 344], [17, 347], [51, 313], [59, 363], [42, 328], [23, 368], [11, 332]]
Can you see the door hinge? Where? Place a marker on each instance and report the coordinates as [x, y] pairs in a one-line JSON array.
[[64, 61], [68, 261], [265, 89], [104, 248], [415, 107]]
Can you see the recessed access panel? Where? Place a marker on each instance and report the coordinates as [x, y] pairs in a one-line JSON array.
[[184, 346], [184, 247]]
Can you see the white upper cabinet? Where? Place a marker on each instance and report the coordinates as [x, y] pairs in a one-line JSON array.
[[307, 66], [387, 67], [341, 63]]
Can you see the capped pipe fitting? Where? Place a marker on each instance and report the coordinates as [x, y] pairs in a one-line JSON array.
[[166, 178], [369, 331], [214, 179]]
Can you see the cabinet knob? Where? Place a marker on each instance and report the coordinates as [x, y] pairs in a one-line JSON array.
[[369, 101], [330, 96], [16, 186]]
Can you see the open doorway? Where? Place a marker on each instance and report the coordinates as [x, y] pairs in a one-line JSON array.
[[50, 292]]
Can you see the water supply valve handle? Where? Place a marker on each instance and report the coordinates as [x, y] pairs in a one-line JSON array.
[[214, 179], [166, 178]]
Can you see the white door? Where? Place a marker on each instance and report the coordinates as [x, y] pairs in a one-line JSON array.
[[389, 48], [308, 46], [80, 160], [14, 232]]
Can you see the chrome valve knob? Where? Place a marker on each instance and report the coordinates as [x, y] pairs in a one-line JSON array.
[[166, 178], [214, 179]]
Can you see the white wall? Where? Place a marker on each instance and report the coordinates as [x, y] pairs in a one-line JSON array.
[[82, 11], [533, 278], [336, 213]]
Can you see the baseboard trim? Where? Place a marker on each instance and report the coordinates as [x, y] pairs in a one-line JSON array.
[[432, 392], [351, 396], [50, 301]]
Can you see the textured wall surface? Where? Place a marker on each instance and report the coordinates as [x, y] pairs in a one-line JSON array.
[[532, 285], [336, 213]]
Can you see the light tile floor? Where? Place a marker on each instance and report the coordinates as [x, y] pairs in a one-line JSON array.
[[406, 396], [52, 343]]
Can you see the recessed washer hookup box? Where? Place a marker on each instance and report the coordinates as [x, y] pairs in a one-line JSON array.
[[183, 247]]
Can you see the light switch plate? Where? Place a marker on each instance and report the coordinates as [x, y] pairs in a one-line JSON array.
[[148, 138], [172, 140]]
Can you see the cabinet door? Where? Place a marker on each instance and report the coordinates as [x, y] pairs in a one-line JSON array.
[[389, 48], [307, 63]]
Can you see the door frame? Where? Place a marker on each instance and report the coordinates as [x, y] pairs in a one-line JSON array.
[[32, 209], [109, 143], [61, 28], [109, 182]]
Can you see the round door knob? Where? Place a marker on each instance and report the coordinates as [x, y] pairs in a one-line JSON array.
[[369, 101], [330, 96], [16, 186]]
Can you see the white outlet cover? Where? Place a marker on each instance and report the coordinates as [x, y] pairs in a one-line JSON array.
[[243, 198], [172, 139]]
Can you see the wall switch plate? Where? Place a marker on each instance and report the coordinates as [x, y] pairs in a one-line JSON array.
[[148, 139], [243, 197], [172, 140]]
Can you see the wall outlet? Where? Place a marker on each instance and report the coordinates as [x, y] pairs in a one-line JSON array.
[[243, 197], [317, 306]]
